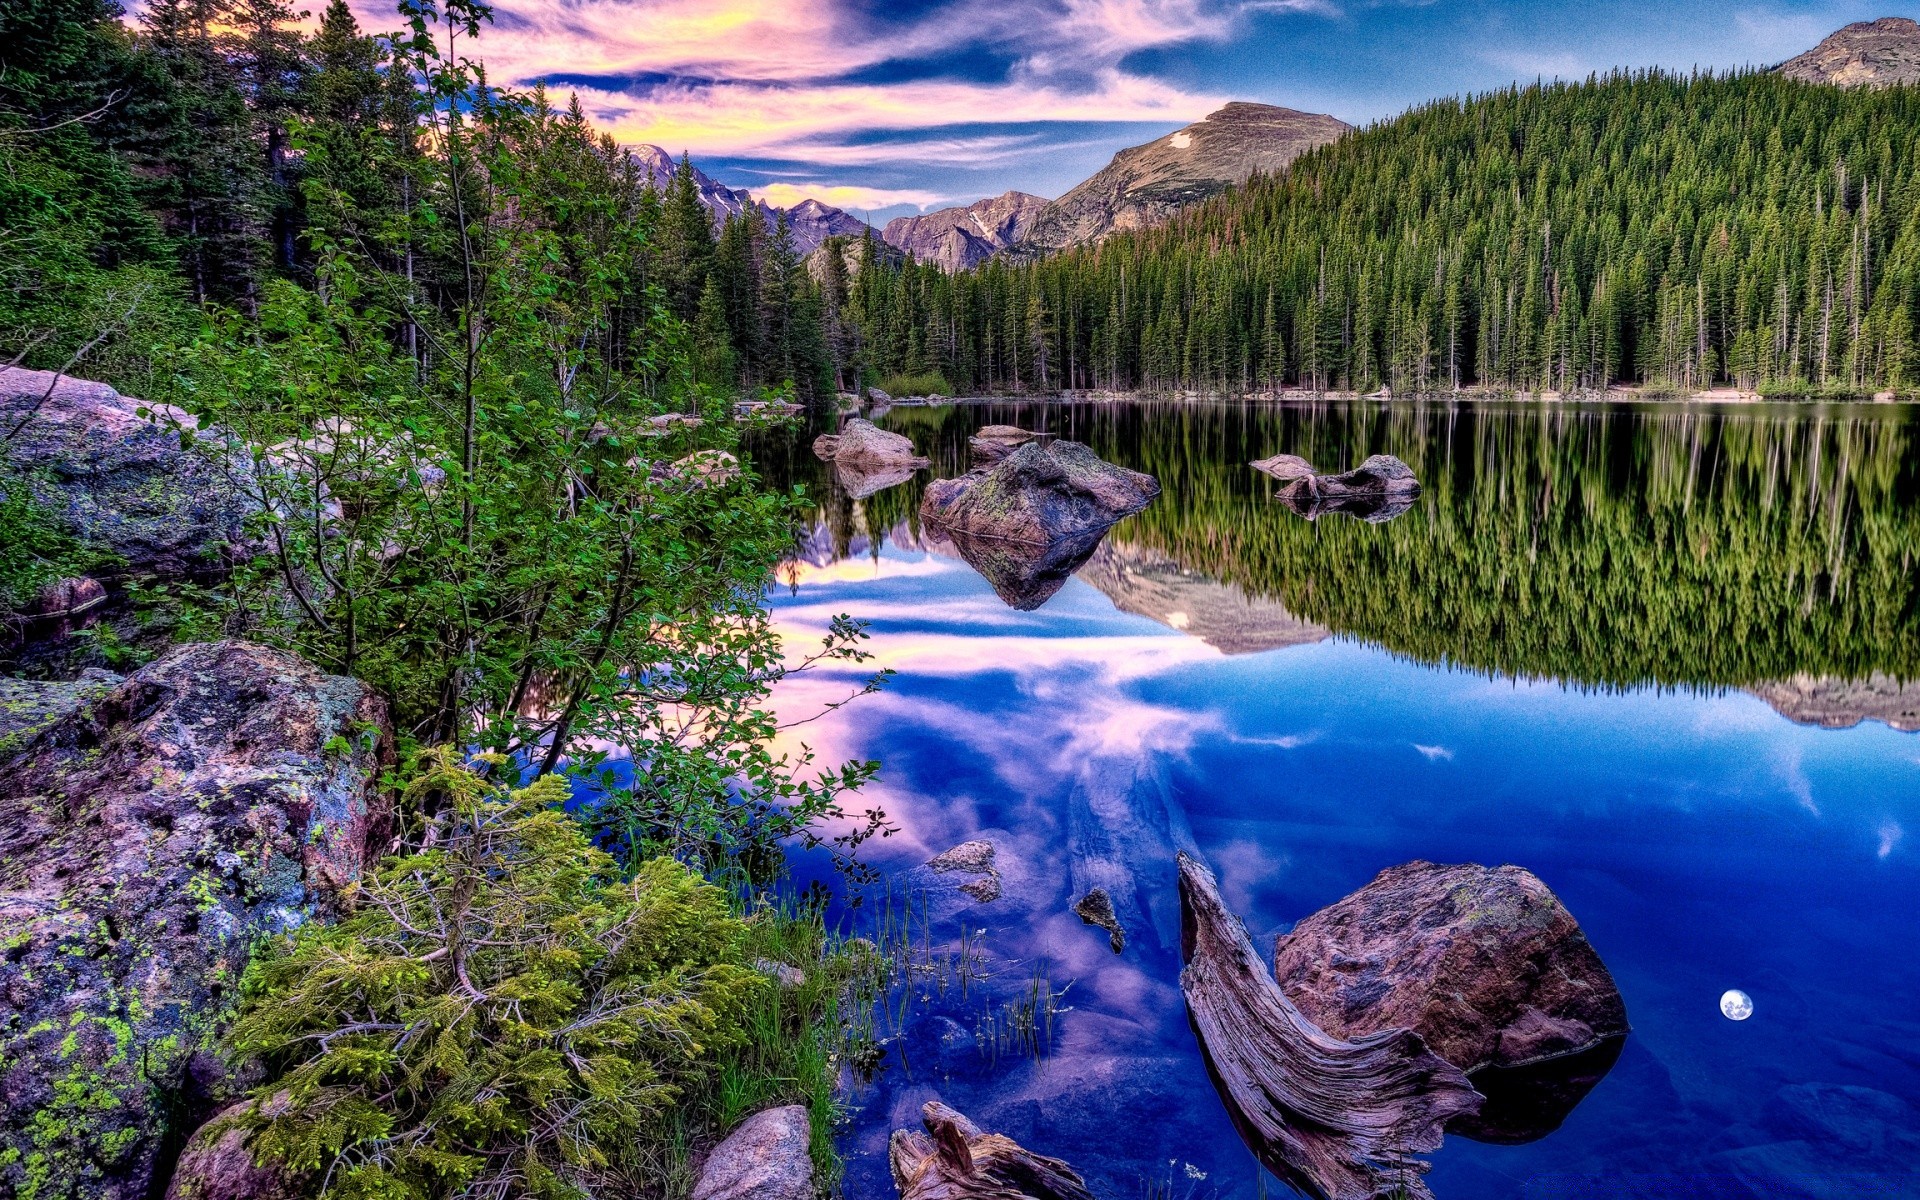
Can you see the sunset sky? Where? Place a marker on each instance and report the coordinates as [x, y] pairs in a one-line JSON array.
[[887, 108]]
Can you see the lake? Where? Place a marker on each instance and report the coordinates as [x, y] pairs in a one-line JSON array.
[[1660, 655]]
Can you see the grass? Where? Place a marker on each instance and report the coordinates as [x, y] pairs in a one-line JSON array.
[[925, 383]]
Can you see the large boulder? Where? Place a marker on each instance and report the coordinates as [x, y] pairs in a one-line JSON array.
[[1040, 494], [1023, 574], [765, 1158], [150, 831], [863, 446], [122, 483], [1484, 963]]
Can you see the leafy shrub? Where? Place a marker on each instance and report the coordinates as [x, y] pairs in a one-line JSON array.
[[498, 1014], [33, 549], [923, 383]]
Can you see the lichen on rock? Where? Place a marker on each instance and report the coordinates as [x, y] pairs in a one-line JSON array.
[[149, 831]]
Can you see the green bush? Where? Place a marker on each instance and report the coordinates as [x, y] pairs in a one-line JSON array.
[[499, 1013], [34, 551], [923, 383]]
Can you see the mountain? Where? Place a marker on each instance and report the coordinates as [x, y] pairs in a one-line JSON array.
[[811, 221], [1865, 54], [1147, 583], [1144, 185], [958, 238]]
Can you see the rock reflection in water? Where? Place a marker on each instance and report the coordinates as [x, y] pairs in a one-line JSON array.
[[1024, 574], [1525, 1104], [1375, 509], [861, 482]]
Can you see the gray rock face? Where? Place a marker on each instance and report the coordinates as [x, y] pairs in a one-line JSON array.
[[764, 1159], [148, 834], [27, 707], [958, 238], [1864, 54], [1145, 185], [1834, 703], [122, 483], [862, 446], [1040, 493]]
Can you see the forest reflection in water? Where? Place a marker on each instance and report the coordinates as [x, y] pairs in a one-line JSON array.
[[1613, 545], [1541, 661]]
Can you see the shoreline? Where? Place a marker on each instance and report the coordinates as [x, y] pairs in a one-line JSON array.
[[1617, 395]]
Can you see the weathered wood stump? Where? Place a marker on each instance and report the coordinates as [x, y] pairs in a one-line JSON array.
[[1337, 1119], [954, 1160]]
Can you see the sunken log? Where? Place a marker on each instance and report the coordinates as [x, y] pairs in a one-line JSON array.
[[954, 1160], [1341, 1120]]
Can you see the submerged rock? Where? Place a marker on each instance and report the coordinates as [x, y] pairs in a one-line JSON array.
[[1096, 909], [1484, 963], [971, 858], [863, 446], [149, 833], [764, 1158], [1040, 493], [956, 1160], [122, 483], [1334, 1117], [991, 443]]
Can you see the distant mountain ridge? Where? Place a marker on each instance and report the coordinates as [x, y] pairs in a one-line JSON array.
[[1143, 185], [958, 238], [812, 222], [1864, 54]]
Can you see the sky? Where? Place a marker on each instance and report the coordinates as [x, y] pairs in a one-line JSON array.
[[887, 109]]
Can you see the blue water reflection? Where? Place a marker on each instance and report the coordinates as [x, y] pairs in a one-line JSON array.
[[1704, 841]]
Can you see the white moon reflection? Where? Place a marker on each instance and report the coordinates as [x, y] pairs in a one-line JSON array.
[[1736, 1005]]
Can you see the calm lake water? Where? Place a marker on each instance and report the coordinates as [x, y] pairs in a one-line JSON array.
[[1652, 653]]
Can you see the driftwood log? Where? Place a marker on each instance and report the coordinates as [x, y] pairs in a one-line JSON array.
[[954, 1160], [1337, 1119]]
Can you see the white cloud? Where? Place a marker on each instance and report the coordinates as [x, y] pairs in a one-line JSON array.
[[1434, 753]]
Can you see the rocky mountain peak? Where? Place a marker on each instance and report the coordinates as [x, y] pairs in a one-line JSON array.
[[1144, 185], [811, 221], [1864, 54], [962, 237]]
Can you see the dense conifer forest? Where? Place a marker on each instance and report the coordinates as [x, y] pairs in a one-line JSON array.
[[1680, 232], [194, 160]]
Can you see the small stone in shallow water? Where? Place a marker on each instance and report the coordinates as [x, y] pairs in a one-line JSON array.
[[972, 858], [1736, 1005], [1096, 909]]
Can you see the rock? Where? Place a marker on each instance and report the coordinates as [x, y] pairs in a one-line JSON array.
[[69, 597], [666, 423], [1485, 963], [877, 396], [958, 238], [863, 446], [149, 833], [27, 707], [122, 483], [1379, 475], [1864, 54], [764, 1158], [1096, 908], [954, 1160], [1375, 508], [217, 1165], [1286, 467], [1336, 1118], [784, 974], [1040, 493], [706, 468], [971, 858], [991, 443]]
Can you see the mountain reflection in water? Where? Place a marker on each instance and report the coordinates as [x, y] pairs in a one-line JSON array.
[[1557, 656]]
